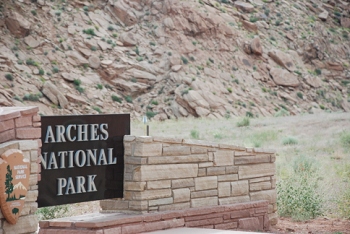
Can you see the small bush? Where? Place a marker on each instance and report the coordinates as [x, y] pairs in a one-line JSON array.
[[184, 60], [33, 12], [150, 114], [110, 28], [194, 134], [89, 31], [99, 86], [243, 122], [9, 77], [152, 43], [282, 112], [93, 48], [318, 71], [211, 60], [300, 95], [55, 69], [77, 82], [128, 99], [229, 90], [289, 140], [249, 114], [79, 89], [52, 212], [154, 102], [253, 19], [41, 72], [31, 62], [116, 99], [32, 97], [96, 108]]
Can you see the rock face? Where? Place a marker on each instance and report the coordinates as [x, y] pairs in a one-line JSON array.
[[18, 25], [246, 7], [282, 59], [284, 78], [55, 96]]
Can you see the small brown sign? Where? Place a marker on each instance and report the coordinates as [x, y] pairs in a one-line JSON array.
[[14, 183]]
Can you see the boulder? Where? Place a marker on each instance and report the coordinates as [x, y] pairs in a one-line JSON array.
[[345, 22], [30, 41], [130, 87], [54, 95], [128, 39], [256, 47], [94, 61], [246, 7], [284, 78], [323, 16], [124, 12], [282, 59], [313, 81], [75, 99], [18, 25], [335, 66], [249, 26], [77, 58]]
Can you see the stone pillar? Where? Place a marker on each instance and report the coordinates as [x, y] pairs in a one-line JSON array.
[[20, 129]]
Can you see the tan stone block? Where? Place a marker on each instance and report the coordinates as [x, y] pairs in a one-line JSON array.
[[260, 186], [205, 164], [33, 207], [178, 159], [251, 224], [273, 218], [181, 195], [26, 155], [269, 195], [28, 133], [138, 205], [259, 170], [244, 153], [176, 150], [204, 193], [211, 156], [7, 135], [260, 179], [167, 139], [273, 181], [159, 184], [6, 125], [135, 186], [34, 155], [161, 201], [144, 139], [114, 204], [34, 168], [135, 160], [147, 149], [26, 209], [182, 183], [152, 194], [129, 138], [34, 187], [273, 158], [24, 121], [239, 188], [25, 224], [223, 158], [128, 149], [216, 171], [202, 172], [205, 183], [264, 151], [176, 206], [32, 196], [261, 158], [205, 201], [222, 178], [33, 179], [233, 200], [198, 150], [163, 172], [231, 147], [224, 189], [232, 170]]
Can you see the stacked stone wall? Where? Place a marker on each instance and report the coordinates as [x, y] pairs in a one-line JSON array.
[[163, 174], [20, 129]]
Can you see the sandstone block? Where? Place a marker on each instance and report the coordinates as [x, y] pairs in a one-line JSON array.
[[202, 172], [181, 195], [222, 178], [151, 149], [34, 155], [206, 164], [182, 183], [32, 196], [7, 135], [6, 125], [263, 158], [23, 121], [205, 201], [135, 186], [28, 133], [260, 179], [198, 150], [224, 189], [114, 205], [233, 200], [239, 188], [269, 195], [251, 224], [176, 150], [227, 226], [204, 193], [204, 183], [129, 138], [176, 206], [159, 184], [223, 158], [152, 194], [260, 186], [135, 160], [178, 159], [25, 224], [216, 171], [167, 140], [138, 205], [253, 171], [163, 172], [161, 201]]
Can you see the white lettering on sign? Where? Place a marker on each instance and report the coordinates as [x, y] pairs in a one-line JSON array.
[[79, 185], [79, 158], [76, 132]]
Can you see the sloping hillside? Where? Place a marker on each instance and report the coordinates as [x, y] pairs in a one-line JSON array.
[[174, 58]]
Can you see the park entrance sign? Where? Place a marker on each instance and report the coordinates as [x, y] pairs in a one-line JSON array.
[[82, 158]]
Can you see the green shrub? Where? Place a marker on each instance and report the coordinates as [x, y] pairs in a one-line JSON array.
[[297, 194], [249, 114], [89, 31], [55, 69], [93, 48], [184, 60], [152, 43], [77, 82], [52, 212], [289, 140], [194, 134], [110, 28], [282, 112], [260, 138], [253, 19], [243, 122], [154, 102], [128, 99], [229, 90], [150, 114], [33, 12], [300, 95], [80, 89], [318, 71], [116, 99], [9, 77], [99, 86], [96, 108], [31, 62], [41, 72], [32, 97]]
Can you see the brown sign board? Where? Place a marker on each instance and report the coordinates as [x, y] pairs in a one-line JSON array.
[[14, 183], [82, 158]]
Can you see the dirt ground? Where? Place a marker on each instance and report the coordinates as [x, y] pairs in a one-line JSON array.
[[314, 226]]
